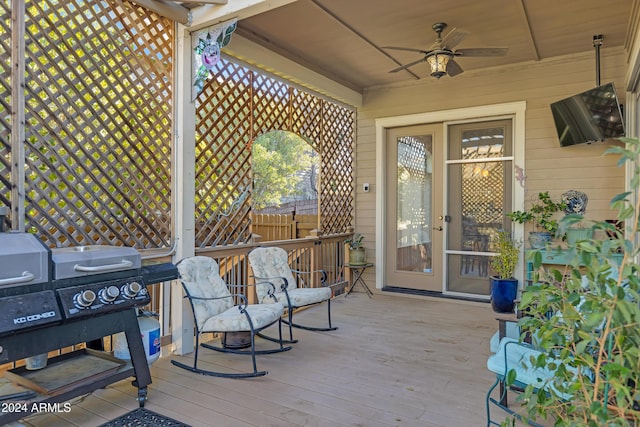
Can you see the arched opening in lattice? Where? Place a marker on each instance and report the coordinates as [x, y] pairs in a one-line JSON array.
[[286, 182], [285, 171], [236, 106]]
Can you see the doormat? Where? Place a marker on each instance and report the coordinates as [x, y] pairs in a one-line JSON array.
[[142, 417]]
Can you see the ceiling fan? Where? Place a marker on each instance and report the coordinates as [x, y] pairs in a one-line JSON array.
[[440, 54]]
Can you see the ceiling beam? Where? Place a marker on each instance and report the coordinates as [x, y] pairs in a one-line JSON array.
[[174, 12], [199, 2], [211, 14], [346, 25], [527, 25]]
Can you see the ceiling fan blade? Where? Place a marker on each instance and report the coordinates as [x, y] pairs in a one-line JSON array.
[[482, 51], [435, 46], [410, 64], [410, 49], [453, 69], [452, 38]]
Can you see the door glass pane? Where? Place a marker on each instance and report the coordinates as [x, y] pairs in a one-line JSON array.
[[479, 191], [414, 216]]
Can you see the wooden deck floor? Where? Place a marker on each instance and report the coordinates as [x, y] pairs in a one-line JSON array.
[[394, 361]]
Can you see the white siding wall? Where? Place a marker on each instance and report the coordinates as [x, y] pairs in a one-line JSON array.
[[547, 165]]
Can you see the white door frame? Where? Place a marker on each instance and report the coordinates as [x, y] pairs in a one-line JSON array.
[[490, 112]]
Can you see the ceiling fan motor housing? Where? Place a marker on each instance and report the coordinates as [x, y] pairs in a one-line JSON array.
[[439, 28]]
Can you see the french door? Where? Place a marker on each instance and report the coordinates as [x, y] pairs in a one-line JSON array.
[[479, 181], [415, 220], [437, 240]]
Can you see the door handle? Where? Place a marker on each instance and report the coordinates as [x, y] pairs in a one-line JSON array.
[[439, 228]]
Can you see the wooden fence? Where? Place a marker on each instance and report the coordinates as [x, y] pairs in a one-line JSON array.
[[269, 227]]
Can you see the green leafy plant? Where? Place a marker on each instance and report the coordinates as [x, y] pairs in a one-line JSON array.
[[540, 213], [508, 249], [355, 241], [280, 161], [586, 319]]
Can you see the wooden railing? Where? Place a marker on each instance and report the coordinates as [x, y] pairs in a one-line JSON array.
[[309, 254]]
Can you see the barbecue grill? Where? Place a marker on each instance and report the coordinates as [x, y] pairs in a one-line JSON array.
[[55, 298]]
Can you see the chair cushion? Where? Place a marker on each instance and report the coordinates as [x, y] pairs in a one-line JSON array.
[[268, 265], [233, 320], [200, 276], [302, 296]]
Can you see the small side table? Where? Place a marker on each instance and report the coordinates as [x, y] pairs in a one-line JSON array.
[[358, 270]]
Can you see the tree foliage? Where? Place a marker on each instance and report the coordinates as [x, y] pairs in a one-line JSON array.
[[280, 160]]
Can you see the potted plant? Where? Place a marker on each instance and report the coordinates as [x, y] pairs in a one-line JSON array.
[[504, 287], [541, 215], [590, 344], [357, 254]]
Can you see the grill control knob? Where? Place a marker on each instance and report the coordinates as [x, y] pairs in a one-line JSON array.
[[109, 294], [130, 290], [84, 299]]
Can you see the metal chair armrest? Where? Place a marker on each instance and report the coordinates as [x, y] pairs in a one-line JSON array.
[[323, 275], [242, 298], [206, 298], [284, 286]]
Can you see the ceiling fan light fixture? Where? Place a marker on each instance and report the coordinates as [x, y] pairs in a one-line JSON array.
[[438, 63]]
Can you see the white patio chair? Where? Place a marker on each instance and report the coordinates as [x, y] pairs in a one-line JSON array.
[[270, 265], [215, 310]]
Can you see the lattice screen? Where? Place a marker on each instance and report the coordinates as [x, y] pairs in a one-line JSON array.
[[336, 186], [99, 123], [483, 184], [483, 192], [5, 103], [236, 106]]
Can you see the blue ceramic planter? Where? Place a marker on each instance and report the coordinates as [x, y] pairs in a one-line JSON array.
[[503, 294]]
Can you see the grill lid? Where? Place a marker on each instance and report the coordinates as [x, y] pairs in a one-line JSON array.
[[78, 261], [24, 260]]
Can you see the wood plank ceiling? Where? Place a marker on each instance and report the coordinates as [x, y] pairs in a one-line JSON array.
[[344, 40]]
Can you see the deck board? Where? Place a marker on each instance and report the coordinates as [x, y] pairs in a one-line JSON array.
[[394, 361]]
